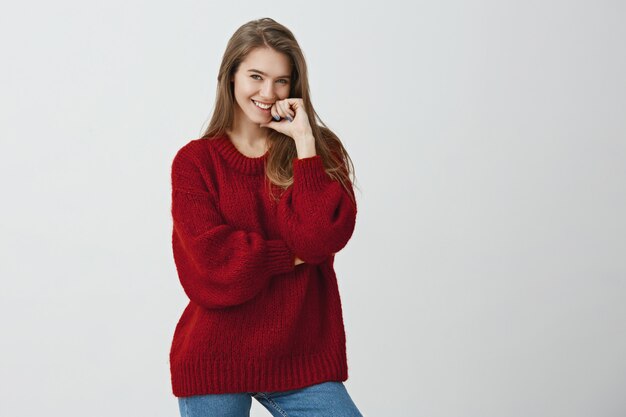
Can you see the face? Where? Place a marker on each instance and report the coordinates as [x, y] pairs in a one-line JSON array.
[[252, 85]]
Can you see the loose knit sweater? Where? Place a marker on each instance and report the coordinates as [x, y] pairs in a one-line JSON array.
[[255, 321]]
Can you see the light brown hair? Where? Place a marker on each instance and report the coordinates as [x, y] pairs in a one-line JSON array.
[[267, 33]]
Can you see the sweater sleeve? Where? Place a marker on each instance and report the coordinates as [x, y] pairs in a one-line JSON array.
[[218, 265], [316, 215]]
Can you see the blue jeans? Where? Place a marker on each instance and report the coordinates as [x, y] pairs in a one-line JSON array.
[[325, 399]]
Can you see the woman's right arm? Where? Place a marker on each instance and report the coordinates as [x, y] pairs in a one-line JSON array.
[[218, 265]]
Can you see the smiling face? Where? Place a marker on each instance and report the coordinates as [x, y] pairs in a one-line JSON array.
[[264, 77]]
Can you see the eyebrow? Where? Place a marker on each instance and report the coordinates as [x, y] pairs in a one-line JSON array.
[[262, 73]]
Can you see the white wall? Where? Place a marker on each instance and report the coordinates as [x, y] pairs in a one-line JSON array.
[[486, 276]]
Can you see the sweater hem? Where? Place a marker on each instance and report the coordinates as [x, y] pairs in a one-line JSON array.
[[220, 376]]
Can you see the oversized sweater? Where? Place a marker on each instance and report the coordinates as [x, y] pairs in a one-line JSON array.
[[255, 321]]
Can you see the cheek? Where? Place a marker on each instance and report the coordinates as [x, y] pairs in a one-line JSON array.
[[244, 90], [284, 92]]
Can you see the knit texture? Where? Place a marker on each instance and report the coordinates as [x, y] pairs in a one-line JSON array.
[[255, 322]]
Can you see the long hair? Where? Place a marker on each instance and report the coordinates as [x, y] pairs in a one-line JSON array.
[[267, 33]]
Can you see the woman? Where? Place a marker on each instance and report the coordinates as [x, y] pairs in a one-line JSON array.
[[260, 205]]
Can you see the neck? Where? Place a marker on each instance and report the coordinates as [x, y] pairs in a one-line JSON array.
[[247, 133]]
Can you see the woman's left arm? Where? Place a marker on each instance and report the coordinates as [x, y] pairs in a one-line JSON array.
[[316, 214]]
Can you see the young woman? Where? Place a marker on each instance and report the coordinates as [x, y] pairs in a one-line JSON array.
[[260, 205]]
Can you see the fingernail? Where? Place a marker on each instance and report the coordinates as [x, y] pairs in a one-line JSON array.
[[289, 118], [277, 117]]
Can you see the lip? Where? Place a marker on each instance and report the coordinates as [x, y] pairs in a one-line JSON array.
[[262, 102], [260, 109]]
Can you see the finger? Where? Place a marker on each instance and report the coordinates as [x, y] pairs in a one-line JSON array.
[[280, 109], [274, 112], [293, 106], [286, 111], [287, 108], [280, 104]]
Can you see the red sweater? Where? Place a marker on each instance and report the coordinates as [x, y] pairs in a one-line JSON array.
[[255, 322]]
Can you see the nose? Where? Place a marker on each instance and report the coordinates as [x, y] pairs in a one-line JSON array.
[[267, 91]]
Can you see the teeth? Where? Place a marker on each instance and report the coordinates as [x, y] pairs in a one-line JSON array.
[[263, 106]]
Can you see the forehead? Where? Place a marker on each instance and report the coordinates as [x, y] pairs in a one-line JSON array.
[[267, 60]]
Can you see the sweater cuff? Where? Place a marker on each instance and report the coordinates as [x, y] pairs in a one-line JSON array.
[[309, 173], [280, 258]]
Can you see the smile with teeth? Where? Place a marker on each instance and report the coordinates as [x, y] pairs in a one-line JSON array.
[[261, 105]]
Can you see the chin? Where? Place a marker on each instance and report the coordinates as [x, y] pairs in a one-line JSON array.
[[260, 119]]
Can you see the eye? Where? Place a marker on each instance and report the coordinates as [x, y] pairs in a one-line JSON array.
[[282, 80]]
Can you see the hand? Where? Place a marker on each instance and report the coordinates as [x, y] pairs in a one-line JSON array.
[[300, 261], [292, 108]]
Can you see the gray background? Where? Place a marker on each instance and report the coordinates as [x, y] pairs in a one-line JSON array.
[[486, 276]]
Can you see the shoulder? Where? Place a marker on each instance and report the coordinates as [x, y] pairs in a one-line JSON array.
[[191, 149], [192, 166], [197, 151]]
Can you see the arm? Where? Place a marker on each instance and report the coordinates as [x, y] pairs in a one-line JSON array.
[[316, 215], [218, 266]]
